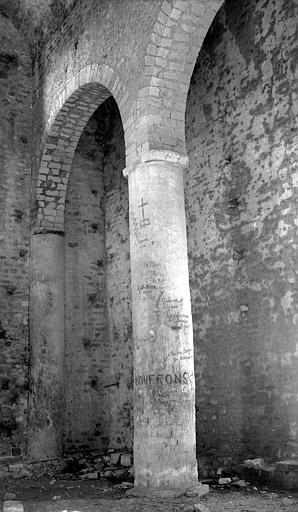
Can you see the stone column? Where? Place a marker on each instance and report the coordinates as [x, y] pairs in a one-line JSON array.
[[46, 346], [164, 385]]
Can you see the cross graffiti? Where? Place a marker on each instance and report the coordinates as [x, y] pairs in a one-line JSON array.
[[145, 221]]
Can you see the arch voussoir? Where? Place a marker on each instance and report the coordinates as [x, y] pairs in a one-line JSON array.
[[70, 112], [175, 43]]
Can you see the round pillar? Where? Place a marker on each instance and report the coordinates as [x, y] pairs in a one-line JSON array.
[[164, 385], [46, 346]]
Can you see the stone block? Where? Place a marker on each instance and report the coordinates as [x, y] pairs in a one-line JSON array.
[[266, 473], [126, 485], [8, 496], [241, 484], [106, 474], [224, 481], [99, 465], [119, 473], [126, 459], [131, 472], [255, 463], [286, 474], [197, 491], [92, 476], [24, 473], [292, 480], [14, 468], [114, 458], [13, 506], [89, 476], [287, 465]]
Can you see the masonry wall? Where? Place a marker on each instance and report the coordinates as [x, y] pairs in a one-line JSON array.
[[98, 312], [241, 197], [87, 352], [15, 172], [118, 280], [92, 32]]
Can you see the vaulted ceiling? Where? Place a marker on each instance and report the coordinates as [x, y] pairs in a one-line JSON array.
[[34, 17], [37, 10]]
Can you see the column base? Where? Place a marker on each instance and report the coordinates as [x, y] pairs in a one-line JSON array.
[[44, 444], [198, 490]]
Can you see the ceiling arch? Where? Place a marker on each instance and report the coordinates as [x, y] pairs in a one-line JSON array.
[[34, 17]]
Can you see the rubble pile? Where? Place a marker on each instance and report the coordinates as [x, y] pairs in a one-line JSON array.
[[220, 480], [283, 473], [113, 465], [117, 466]]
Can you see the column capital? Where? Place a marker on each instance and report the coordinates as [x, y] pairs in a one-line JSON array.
[[158, 155]]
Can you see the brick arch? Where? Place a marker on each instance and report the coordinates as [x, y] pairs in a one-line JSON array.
[[69, 114], [176, 40]]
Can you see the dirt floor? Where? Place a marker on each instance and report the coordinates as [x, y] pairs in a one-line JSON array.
[[58, 495]]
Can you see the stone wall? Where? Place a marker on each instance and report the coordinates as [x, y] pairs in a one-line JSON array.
[[91, 33], [15, 174], [119, 318], [241, 196], [98, 314], [87, 351]]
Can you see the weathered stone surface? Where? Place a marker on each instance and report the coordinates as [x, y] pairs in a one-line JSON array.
[[15, 165], [13, 506], [19, 471], [241, 484], [146, 492], [288, 502], [98, 309], [241, 208], [8, 496], [164, 415], [126, 460], [224, 481], [241, 195], [47, 346], [287, 465], [266, 472], [286, 474], [200, 507], [114, 458], [197, 491], [255, 463], [92, 476]]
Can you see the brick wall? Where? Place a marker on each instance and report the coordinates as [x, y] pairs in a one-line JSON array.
[[93, 32], [176, 38], [85, 296], [98, 317], [118, 281], [15, 132], [241, 196]]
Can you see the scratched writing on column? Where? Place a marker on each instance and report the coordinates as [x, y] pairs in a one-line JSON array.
[[140, 241], [162, 379], [171, 312], [145, 221]]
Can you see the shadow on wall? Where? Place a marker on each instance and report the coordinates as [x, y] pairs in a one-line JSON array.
[[241, 201], [98, 310], [15, 175]]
